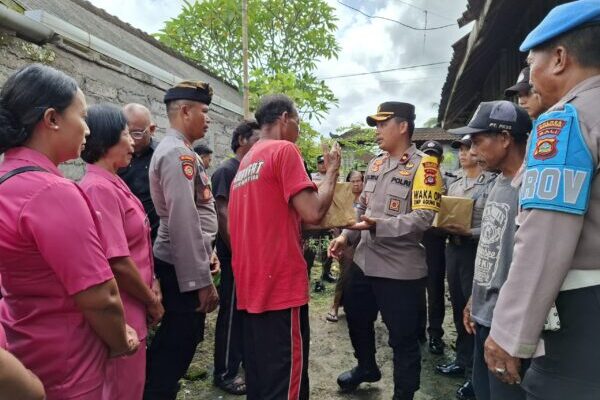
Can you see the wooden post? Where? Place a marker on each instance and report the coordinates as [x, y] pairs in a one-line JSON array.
[[246, 88]]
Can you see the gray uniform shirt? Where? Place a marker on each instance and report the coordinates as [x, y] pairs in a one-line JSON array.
[[185, 206], [392, 250], [494, 252], [548, 244], [477, 189]]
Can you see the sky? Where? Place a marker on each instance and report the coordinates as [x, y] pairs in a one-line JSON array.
[[367, 45]]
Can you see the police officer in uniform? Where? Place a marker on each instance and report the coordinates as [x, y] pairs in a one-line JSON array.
[[475, 184], [401, 195], [434, 240], [556, 257], [183, 248]]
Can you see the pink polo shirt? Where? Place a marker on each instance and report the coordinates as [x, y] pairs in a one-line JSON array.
[[125, 232], [50, 251]]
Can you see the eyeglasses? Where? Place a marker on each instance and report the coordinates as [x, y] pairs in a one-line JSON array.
[[139, 134]]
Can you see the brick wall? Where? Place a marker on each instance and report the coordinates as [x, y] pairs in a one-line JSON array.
[[106, 80]]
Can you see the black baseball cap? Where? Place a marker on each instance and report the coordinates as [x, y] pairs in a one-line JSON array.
[[391, 109], [522, 84], [497, 116], [431, 146], [463, 141]]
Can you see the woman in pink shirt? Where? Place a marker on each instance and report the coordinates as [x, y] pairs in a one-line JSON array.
[[61, 310], [125, 233]]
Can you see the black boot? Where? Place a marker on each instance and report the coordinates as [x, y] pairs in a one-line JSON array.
[[350, 380], [466, 391], [403, 395]]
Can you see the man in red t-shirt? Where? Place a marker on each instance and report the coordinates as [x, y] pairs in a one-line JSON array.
[[270, 197]]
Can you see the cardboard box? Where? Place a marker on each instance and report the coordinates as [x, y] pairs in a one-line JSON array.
[[454, 211], [341, 213]]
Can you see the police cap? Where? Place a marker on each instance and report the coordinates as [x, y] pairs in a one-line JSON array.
[[463, 141], [190, 90], [562, 19], [522, 84], [392, 109], [432, 147]]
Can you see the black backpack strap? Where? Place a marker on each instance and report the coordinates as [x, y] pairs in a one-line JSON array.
[[18, 171]]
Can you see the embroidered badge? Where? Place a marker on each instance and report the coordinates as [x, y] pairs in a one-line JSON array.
[[550, 127], [410, 165], [404, 159], [188, 169], [375, 168], [404, 172], [394, 205], [545, 148], [430, 174]]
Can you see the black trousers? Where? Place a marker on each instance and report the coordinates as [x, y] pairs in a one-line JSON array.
[[229, 346], [276, 347], [569, 369], [174, 344], [434, 309], [460, 265], [485, 383], [398, 301]]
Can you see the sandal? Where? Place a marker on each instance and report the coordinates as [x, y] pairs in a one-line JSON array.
[[331, 317], [235, 386]]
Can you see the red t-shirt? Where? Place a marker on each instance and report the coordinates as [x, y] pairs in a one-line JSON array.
[[269, 269]]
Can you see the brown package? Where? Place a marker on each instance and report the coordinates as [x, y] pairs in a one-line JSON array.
[[455, 211], [341, 213]]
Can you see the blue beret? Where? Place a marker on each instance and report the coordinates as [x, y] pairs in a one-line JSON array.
[[562, 19]]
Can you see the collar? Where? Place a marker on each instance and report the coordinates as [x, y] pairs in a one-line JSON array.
[[583, 86], [150, 149], [174, 132], [34, 157], [96, 170]]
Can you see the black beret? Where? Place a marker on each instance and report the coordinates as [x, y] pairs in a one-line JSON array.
[[190, 90]]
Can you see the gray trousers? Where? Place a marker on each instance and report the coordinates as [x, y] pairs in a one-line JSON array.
[[571, 367]]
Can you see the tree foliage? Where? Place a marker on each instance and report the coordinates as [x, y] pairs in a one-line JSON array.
[[286, 38]]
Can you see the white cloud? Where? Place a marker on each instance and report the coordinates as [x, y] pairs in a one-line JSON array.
[[366, 45]]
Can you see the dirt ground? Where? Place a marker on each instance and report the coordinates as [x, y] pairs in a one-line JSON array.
[[330, 354]]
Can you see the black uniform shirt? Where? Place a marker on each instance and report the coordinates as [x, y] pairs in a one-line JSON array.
[[136, 177], [221, 184]]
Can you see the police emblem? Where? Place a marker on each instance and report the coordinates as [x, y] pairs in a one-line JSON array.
[[545, 148], [404, 172], [374, 168], [187, 166], [410, 165], [404, 158], [394, 205]]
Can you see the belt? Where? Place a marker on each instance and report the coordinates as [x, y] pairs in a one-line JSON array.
[[581, 278]]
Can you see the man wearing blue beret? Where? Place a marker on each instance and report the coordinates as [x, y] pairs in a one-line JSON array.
[[553, 287]]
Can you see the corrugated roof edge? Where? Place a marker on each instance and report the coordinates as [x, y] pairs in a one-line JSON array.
[[147, 38]]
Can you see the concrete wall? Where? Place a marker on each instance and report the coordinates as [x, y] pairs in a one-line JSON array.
[[106, 80]]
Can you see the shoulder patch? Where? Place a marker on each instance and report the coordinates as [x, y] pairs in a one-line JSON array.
[[188, 166], [559, 166]]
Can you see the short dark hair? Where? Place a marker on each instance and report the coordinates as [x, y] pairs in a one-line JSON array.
[[410, 123], [581, 42], [26, 96], [244, 130], [106, 123], [272, 106], [202, 149], [362, 176]]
